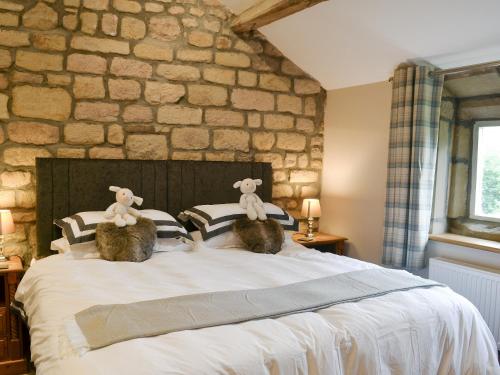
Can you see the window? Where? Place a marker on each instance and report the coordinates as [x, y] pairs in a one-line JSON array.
[[485, 178]]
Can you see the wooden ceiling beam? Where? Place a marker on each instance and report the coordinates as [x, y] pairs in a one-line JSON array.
[[267, 11]]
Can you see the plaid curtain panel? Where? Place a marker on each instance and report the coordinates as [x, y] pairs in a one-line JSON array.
[[416, 101]]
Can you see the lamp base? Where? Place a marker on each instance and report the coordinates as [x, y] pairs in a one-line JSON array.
[[3, 258]]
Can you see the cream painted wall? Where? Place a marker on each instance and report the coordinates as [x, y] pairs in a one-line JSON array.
[[355, 167]]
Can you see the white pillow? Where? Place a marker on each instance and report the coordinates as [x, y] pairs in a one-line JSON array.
[[62, 246], [216, 219], [80, 228], [222, 241]]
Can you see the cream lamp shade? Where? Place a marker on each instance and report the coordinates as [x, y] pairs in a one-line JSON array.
[[311, 208], [6, 222]]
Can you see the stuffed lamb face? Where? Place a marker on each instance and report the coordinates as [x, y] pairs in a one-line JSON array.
[[249, 200], [125, 197]]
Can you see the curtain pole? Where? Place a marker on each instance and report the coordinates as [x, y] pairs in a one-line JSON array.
[[466, 69], [462, 69]]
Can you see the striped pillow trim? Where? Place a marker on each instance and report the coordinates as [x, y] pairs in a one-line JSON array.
[[205, 226], [177, 230]]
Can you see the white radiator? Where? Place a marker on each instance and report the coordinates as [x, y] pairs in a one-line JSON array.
[[480, 285]]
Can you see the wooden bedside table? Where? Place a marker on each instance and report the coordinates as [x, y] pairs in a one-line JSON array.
[[323, 242], [12, 358]]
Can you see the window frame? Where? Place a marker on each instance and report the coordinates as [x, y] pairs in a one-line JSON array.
[[473, 169]]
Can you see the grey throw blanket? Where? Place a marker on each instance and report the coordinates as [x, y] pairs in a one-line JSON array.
[[104, 325]]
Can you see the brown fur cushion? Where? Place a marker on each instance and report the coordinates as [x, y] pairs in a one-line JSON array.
[[260, 236], [132, 243]]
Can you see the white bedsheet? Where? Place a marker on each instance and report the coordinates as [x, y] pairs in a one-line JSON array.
[[423, 331]]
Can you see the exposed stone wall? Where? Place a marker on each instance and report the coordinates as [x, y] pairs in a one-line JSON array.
[[468, 111], [164, 79]]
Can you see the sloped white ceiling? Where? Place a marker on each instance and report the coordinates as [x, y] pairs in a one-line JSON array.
[[346, 43]]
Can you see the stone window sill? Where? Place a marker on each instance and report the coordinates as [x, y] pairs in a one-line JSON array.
[[475, 243]]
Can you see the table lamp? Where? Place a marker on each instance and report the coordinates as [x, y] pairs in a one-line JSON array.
[[310, 210], [6, 226]]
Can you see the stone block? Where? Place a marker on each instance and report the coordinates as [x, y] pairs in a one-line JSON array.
[[38, 61], [109, 24], [86, 87], [187, 155], [124, 89], [33, 133], [106, 153], [222, 76], [289, 103], [263, 141], [274, 82], [11, 38], [303, 176], [72, 153], [291, 141], [146, 146], [165, 28], [223, 117], [275, 159], [24, 156], [153, 51], [95, 111], [232, 59], [200, 38], [50, 42], [130, 68], [178, 72], [179, 115], [115, 134], [127, 6], [132, 28], [161, 93], [207, 95], [305, 125], [275, 121], [103, 45], [248, 79], [86, 64], [234, 140], [190, 138], [194, 55], [310, 107], [41, 102], [219, 156], [83, 134], [288, 67], [7, 199], [9, 19], [282, 191], [40, 17], [252, 99], [96, 4], [88, 21], [306, 86], [4, 111], [59, 79], [137, 113], [15, 179]]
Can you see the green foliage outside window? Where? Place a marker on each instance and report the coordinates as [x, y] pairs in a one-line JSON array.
[[491, 185]]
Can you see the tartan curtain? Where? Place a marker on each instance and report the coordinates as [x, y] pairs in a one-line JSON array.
[[416, 101]]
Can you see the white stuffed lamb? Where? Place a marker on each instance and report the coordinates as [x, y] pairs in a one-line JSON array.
[[249, 200], [121, 211]]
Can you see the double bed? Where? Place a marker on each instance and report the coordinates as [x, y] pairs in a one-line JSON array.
[[420, 331]]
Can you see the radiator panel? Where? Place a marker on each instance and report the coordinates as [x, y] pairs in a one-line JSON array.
[[480, 285]]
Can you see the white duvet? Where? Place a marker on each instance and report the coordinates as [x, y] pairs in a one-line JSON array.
[[422, 331]]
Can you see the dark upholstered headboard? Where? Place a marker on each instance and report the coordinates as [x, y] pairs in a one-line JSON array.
[[67, 186]]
